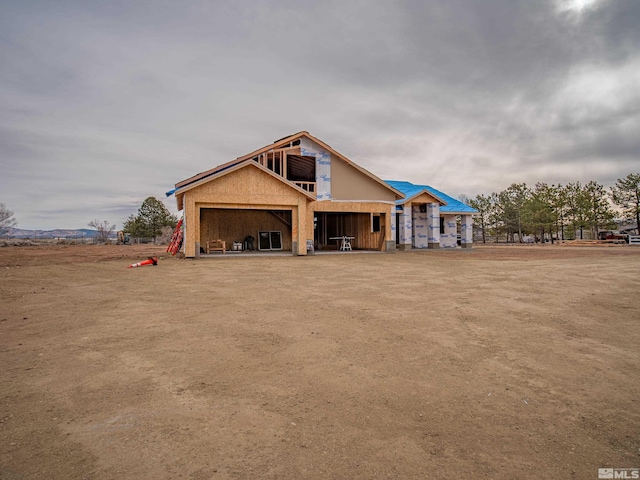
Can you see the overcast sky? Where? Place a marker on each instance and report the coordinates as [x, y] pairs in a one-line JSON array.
[[103, 104]]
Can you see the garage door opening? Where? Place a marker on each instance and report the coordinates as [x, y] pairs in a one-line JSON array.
[[247, 228]]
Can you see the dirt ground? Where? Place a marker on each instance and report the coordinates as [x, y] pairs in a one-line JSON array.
[[497, 363]]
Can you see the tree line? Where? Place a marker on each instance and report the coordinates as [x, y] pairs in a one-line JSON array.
[[562, 212], [558, 212]]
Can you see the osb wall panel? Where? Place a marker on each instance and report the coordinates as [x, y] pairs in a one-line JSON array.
[[347, 183], [246, 188], [365, 238], [235, 225], [424, 198], [359, 207], [355, 207], [249, 186], [191, 225]]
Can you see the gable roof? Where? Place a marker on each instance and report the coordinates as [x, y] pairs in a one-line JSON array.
[[220, 172], [282, 143], [448, 205], [412, 191]]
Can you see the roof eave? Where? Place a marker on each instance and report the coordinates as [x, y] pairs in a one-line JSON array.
[[460, 212]]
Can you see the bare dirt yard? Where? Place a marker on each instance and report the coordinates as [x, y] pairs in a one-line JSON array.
[[501, 362]]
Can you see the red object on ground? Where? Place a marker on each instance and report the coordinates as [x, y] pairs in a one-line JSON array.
[[150, 261], [176, 239]]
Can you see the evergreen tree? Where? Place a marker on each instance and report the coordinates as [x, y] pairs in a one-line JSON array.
[[626, 194], [577, 209], [539, 213], [600, 215], [510, 205], [484, 206], [152, 217], [560, 200]]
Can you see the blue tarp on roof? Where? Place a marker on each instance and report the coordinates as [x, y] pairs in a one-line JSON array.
[[411, 190]]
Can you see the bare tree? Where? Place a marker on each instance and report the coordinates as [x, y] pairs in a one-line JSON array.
[[7, 220], [104, 230], [166, 233]]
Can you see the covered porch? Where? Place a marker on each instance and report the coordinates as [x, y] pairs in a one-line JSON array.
[[362, 231]]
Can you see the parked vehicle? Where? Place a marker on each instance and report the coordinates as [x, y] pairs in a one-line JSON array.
[[614, 236], [123, 238]]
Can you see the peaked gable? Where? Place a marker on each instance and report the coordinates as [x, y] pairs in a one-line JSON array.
[[230, 169], [289, 142]]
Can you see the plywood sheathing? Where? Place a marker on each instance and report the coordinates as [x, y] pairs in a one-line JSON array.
[[423, 198], [192, 195], [244, 164], [251, 187], [219, 168], [284, 145]]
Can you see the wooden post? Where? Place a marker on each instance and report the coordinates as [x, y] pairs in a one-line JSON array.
[[284, 165]]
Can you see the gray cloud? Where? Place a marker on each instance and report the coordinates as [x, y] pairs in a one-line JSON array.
[[103, 104]]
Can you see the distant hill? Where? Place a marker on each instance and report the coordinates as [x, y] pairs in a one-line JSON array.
[[48, 234]]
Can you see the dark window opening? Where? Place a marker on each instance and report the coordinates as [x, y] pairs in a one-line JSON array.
[[301, 169], [441, 225], [375, 223]]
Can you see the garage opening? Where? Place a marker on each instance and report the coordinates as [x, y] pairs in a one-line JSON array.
[[247, 227]]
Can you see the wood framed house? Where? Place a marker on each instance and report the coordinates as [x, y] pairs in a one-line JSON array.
[[298, 186], [427, 218]]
